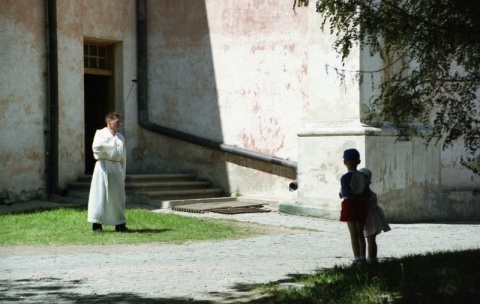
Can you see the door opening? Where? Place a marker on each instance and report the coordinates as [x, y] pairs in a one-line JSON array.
[[98, 94]]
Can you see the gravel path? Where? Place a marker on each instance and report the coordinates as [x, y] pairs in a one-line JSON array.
[[205, 272]]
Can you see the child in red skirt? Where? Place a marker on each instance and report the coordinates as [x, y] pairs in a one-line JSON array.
[[355, 204]]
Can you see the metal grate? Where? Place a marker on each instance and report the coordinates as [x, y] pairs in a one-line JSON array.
[[208, 207]]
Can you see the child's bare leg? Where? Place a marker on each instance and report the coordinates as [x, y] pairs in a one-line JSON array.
[[372, 247], [352, 228], [360, 239]]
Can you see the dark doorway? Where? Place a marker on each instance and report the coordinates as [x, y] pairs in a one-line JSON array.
[[96, 106], [98, 92]]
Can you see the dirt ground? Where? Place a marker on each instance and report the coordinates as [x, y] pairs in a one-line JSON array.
[[224, 271]]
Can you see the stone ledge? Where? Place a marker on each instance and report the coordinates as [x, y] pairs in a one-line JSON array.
[[353, 127], [335, 128], [306, 210]]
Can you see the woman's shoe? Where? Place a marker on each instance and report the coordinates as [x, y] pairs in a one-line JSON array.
[[97, 228], [121, 228]]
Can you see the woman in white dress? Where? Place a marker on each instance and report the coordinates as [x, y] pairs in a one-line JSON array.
[[106, 202], [376, 222]]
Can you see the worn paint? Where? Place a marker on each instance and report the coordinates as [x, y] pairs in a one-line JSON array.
[[453, 176], [222, 75], [77, 21], [251, 74], [22, 100], [23, 83]]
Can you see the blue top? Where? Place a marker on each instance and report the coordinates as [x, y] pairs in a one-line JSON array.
[[353, 182]]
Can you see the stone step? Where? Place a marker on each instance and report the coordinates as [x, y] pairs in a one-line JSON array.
[[148, 177], [147, 186], [217, 202], [153, 189], [165, 199]]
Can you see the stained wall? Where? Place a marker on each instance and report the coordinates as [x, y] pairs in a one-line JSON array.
[[250, 74], [234, 72], [23, 86], [109, 21], [22, 99]]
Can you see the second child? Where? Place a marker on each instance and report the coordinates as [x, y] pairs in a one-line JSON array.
[[375, 222]]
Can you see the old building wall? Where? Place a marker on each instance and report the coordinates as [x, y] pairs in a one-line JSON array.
[[110, 21], [22, 100], [414, 182], [233, 72], [453, 176], [250, 74], [23, 86]]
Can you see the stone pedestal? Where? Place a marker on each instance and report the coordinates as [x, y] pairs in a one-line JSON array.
[[406, 172], [320, 165]]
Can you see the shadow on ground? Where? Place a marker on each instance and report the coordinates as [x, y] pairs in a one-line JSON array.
[[144, 230], [55, 290]]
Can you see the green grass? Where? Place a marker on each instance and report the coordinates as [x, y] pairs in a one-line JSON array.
[[446, 277], [69, 226]]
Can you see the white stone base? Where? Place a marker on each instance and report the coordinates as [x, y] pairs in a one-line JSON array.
[[309, 210], [406, 172], [320, 166]]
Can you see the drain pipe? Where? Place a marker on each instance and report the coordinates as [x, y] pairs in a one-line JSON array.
[[52, 101], [143, 103]]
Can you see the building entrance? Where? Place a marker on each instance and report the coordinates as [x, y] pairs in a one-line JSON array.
[[98, 93]]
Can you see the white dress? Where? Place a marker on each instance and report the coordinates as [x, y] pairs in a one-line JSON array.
[[106, 202], [376, 222]]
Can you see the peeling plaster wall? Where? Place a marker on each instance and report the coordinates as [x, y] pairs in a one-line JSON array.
[[229, 71], [406, 175], [110, 21], [247, 73], [456, 177], [453, 176], [22, 100], [446, 195], [407, 178], [23, 83], [330, 98]]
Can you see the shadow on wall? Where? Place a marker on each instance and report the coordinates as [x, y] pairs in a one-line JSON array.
[[182, 94], [182, 90]]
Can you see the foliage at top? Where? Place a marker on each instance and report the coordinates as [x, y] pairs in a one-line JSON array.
[[431, 55]]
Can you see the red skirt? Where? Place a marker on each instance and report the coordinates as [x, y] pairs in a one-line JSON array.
[[354, 210]]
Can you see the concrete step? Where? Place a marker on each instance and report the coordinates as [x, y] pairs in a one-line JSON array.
[[153, 189], [148, 177], [227, 202], [147, 186], [165, 199]]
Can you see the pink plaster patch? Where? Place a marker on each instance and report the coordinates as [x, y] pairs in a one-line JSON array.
[[256, 107], [268, 140]]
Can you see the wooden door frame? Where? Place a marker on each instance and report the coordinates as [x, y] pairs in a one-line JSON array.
[[103, 71]]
